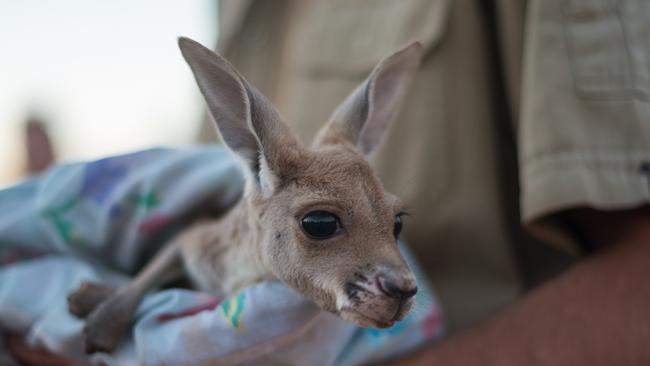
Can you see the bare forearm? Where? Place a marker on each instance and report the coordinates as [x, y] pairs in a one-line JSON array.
[[598, 313]]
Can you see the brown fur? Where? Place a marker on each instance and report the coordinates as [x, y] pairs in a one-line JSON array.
[[358, 273]]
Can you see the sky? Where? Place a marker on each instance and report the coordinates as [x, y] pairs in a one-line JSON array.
[[106, 76]]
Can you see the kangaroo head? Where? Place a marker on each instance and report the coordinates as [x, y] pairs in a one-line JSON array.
[[325, 225]]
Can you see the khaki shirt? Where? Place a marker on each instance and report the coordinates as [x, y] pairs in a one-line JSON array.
[[517, 114]]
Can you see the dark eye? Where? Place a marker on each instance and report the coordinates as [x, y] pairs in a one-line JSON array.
[[320, 224], [398, 226]]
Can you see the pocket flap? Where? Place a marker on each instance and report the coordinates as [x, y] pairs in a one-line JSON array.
[[351, 37]]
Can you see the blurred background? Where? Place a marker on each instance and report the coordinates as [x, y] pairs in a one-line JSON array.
[[66, 93]]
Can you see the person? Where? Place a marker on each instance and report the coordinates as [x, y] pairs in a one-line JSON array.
[[523, 150]]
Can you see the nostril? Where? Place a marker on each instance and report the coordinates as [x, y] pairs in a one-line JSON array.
[[391, 289], [409, 293]]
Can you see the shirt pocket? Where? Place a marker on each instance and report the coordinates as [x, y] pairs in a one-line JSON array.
[[348, 38], [340, 42], [609, 47]]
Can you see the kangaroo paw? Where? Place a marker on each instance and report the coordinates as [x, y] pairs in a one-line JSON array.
[[106, 325], [87, 297]]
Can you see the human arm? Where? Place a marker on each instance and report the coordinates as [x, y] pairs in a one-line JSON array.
[[597, 313]]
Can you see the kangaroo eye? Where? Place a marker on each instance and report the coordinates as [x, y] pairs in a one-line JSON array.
[[397, 229], [320, 224]]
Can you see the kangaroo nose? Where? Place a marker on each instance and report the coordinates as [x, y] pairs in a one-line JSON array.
[[391, 289]]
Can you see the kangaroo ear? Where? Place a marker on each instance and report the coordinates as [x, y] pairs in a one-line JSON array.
[[364, 116], [247, 122]]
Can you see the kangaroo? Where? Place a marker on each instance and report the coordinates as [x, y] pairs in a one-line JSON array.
[[314, 217]]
